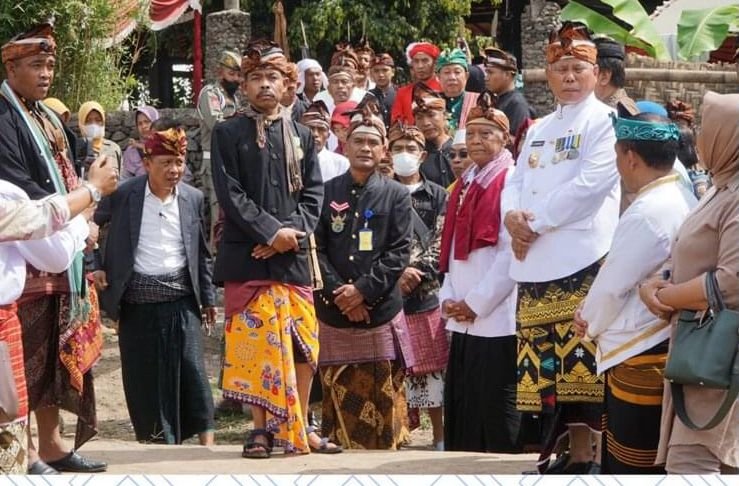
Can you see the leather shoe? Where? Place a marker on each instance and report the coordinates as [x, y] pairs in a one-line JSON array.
[[40, 467], [74, 462]]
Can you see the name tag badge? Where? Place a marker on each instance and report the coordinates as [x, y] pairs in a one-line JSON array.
[[365, 239]]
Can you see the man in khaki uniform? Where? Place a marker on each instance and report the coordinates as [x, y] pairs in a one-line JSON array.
[[217, 101]]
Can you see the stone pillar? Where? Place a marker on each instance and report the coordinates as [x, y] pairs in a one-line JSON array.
[[534, 40], [227, 29], [230, 4]]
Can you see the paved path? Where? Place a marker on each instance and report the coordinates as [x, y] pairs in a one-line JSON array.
[[132, 458]]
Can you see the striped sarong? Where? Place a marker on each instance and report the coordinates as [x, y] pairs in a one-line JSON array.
[[632, 415]]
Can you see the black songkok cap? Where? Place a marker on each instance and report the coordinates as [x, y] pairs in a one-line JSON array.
[[609, 48]]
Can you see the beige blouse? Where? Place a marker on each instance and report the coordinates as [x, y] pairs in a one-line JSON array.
[[708, 239]]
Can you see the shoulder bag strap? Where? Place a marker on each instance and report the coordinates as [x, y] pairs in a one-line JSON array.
[[678, 397]]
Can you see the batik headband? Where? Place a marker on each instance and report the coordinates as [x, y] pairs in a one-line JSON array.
[[166, 142], [644, 131]]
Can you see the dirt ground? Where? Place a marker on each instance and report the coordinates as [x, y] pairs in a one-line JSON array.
[[114, 424], [116, 445]]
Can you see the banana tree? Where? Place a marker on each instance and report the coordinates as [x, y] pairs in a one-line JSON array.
[[641, 35], [701, 31]]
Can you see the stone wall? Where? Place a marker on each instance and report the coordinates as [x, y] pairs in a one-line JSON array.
[[227, 29], [534, 40], [120, 126]]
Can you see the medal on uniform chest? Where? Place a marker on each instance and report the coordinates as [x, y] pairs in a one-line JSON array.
[[338, 220], [534, 160], [566, 148]]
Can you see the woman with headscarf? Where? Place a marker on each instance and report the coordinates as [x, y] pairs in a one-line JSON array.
[[91, 120], [707, 241], [133, 156]]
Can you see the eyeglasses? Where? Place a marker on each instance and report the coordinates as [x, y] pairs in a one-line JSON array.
[[462, 154]]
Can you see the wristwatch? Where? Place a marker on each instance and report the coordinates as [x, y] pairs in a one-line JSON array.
[[94, 192]]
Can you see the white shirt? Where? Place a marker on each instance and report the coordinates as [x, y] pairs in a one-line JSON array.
[[161, 248], [617, 319], [51, 254], [575, 201], [482, 281], [332, 164]]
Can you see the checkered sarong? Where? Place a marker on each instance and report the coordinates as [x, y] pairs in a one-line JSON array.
[[156, 289]]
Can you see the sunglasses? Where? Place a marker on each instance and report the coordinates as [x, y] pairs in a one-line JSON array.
[[462, 154]]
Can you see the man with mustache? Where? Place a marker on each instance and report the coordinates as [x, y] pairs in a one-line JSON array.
[[217, 101], [268, 181], [364, 239], [58, 312], [561, 210]]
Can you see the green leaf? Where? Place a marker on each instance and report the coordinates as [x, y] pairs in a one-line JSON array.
[[632, 12], [600, 24], [700, 31]]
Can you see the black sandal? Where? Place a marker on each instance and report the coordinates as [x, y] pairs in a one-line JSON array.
[[323, 447], [257, 450]]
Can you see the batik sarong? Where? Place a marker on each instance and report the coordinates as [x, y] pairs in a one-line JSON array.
[[364, 405], [13, 437], [259, 358], [363, 373], [633, 412]]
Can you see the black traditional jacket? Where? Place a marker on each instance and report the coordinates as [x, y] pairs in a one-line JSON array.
[[513, 103], [386, 102], [437, 166], [252, 189], [382, 206], [20, 161]]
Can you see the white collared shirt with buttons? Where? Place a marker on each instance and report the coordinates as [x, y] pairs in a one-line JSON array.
[[160, 249], [575, 201]]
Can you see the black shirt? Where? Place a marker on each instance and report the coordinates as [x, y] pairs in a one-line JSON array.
[[437, 166], [516, 108], [375, 273], [386, 101], [252, 189]]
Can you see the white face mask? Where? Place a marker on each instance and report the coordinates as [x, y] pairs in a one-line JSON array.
[[405, 164], [93, 130]]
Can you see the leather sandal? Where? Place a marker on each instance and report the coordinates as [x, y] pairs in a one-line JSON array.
[[323, 447], [258, 450]]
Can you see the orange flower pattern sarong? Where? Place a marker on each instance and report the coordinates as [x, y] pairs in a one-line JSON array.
[[259, 364]]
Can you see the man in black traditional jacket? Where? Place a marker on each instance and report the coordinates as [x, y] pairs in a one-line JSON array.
[[58, 312], [363, 240], [268, 182]]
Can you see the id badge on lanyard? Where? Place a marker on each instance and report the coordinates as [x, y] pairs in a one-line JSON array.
[[365, 234]]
